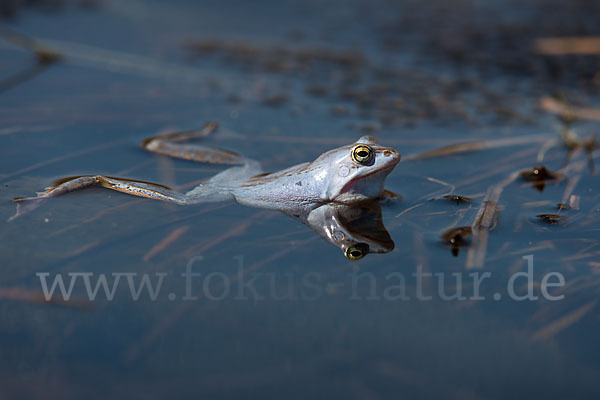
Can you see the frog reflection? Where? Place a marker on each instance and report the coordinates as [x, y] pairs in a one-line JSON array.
[[322, 193], [356, 229]]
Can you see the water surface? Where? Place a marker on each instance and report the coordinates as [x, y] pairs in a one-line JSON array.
[[287, 81]]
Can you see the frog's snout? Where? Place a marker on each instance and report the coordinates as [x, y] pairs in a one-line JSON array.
[[392, 154]]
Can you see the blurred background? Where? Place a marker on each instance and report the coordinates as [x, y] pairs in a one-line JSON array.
[[83, 82]]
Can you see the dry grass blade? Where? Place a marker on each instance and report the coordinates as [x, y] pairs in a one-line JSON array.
[[485, 220], [45, 55], [22, 76], [116, 61], [44, 58], [564, 322], [37, 297], [480, 229], [409, 209], [550, 104], [571, 184], [464, 147], [236, 231], [557, 46], [96, 217], [61, 158], [449, 150], [165, 242], [11, 130]]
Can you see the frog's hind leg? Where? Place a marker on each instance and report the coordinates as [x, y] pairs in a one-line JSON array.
[[175, 145], [134, 187], [129, 186], [219, 188]]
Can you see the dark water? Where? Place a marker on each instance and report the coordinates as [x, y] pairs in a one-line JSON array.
[[287, 81]]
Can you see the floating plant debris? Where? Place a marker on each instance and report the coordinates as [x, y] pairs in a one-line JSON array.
[[574, 143], [458, 198], [539, 176], [551, 218], [571, 45], [275, 100], [487, 217], [339, 110], [567, 112], [457, 237], [44, 58], [538, 173]]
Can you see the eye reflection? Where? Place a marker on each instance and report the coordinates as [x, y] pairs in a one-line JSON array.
[[357, 251]]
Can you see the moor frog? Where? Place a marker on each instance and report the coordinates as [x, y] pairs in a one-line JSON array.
[[337, 180]]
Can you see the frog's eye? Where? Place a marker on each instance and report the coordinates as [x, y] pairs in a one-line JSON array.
[[357, 251], [363, 154]]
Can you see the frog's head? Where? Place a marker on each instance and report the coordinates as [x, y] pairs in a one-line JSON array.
[[357, 172]]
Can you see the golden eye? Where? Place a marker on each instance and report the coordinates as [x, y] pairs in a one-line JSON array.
[[357, 251], [363, 154]]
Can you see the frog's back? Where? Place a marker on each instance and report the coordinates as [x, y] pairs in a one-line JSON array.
[[288, 190]]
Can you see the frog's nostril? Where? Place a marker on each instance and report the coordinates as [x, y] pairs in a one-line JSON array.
[[391, 153]]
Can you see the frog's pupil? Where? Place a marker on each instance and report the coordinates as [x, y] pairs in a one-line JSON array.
[[356, 253], [363, 153]]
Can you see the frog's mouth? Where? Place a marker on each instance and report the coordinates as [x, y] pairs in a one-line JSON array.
[[366, 186], [381, 171]]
